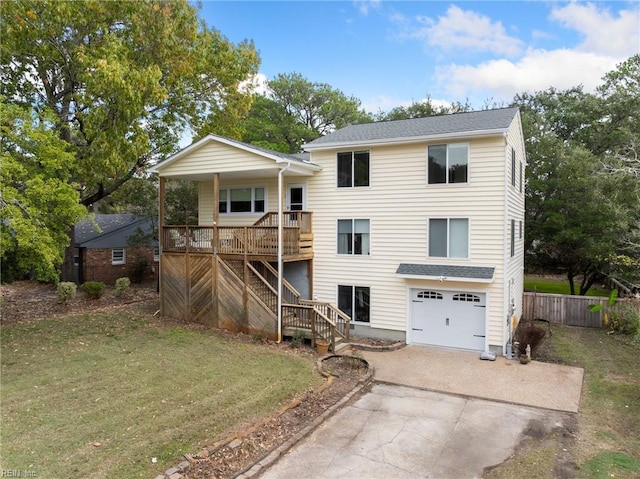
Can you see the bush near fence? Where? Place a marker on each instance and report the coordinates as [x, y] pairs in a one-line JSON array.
[[567, 309]]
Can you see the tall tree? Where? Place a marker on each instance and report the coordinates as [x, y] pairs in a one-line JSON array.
[[37, 198], [125, 80], [582, 213], [422, 109], [295, 111]]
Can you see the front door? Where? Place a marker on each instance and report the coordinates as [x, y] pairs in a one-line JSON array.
[[296, 197]]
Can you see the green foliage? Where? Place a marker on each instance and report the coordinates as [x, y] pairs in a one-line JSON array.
[[94, 93], [422, 109], [181, 205], [297, 111], [122, 285], [609, 464], [621, 316], [93, 289], [139, 269], [38, 202], [582, 208], [297, 339], [66, 291]]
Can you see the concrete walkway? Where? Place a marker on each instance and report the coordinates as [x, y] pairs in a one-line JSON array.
[[544, 385], [401, 432]]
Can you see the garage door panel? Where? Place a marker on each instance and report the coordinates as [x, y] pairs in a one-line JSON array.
[[451, 319]]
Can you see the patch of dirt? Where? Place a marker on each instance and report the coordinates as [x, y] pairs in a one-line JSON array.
[[28, 300], [238, 453], [371, 341]]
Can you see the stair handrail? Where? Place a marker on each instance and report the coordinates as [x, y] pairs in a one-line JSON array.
[[285, 284], [337, 312], [316, 315]]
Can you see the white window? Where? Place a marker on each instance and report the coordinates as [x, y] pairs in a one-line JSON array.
[[118, 256], [355, 301], [353, 169], [448, 163], [156, 253], [353, 237], [513, 237], [513, 167], [449, 237], [242, 200]]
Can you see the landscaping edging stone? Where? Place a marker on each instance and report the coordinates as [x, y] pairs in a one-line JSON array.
[[371, 347], [266, 461]]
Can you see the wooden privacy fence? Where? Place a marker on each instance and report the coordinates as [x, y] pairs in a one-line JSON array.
[[567, 309]]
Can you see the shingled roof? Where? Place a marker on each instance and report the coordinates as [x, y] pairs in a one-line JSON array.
[[455, 124], [444, 272]]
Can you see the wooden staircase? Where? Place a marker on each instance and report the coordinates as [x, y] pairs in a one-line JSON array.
[[313, 319]]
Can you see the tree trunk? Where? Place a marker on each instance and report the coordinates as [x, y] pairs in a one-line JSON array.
[[68, 266]]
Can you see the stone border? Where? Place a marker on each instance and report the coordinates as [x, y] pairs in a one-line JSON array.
[[268, 460], [371, 347]]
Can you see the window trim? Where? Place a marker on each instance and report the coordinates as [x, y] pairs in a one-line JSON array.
[[513, 238], [353, 237], [447, 145], [513, 167], [448, 256], [353, 176], [116, 262], [353, 302], [253, 200]]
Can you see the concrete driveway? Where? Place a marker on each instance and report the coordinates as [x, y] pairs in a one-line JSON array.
[[401, 432], [436, 413]]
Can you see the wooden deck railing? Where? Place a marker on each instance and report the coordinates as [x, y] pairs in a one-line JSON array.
[[307, 317], [341, 320], [260, 239]]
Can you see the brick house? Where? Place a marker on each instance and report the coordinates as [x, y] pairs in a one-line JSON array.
[[113, 246]]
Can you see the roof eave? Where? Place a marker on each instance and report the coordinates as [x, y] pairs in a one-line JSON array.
[[409, 139], [449, 279]]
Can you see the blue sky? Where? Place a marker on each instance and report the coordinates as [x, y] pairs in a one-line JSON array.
[[391, 53]]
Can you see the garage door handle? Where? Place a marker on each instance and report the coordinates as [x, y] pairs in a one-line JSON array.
[[416, 329], [479, 306], [479, 336]]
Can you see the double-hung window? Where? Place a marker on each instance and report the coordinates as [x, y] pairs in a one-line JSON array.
[[353, 237], [118, 256], [449, 237], [353, 169], [355, 301], [448, 163], [242, 200]]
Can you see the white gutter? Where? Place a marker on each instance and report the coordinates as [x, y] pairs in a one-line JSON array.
[[280, 238]]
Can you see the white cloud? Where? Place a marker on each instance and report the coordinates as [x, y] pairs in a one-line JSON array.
[[603, 32], [459, 29], [364, 6], [537, 70], [256, 84]]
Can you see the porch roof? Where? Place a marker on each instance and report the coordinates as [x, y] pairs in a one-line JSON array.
[[300, 162], [442, 272]]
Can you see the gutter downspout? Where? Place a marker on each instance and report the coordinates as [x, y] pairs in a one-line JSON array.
[[280, 238]]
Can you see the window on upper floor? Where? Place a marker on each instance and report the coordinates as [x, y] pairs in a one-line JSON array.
[[353, 237], [118, 256], [448, 163], [355, 301], [242, 200], [449, 237], [353, 169]]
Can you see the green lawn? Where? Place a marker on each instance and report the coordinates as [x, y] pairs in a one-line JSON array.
[[99, 395], [544, 284], [608, 442], [607, 436]]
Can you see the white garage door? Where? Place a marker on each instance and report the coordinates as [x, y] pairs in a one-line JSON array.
[[448, 318]]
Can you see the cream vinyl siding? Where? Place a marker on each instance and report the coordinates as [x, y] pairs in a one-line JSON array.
[[399, 203], [206, 206], [218, 157], [515, 265]]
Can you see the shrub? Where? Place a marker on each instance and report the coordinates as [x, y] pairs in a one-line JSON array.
[[139, 270], [297, 339], [625, 318], [93, 289], [66, 291], [528, 333], [122, 285]]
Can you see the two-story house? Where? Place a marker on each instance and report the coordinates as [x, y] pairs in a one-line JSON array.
[[408, 229]]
